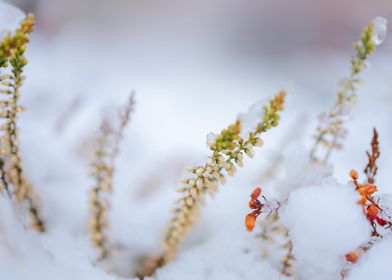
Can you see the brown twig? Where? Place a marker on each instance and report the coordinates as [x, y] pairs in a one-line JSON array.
[[371, 168]]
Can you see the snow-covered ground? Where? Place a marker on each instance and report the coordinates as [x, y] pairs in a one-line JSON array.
[[73, 79]]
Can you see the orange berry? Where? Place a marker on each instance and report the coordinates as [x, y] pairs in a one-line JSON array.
[[250, 221], [371, 189], [363, 200], [372, 211], [367, 189], [354, 174], [352, 257], [256, 193]]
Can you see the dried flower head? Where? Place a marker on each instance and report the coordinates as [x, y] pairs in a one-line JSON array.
[[371, 168]]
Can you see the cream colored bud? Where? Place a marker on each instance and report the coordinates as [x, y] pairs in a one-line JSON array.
[[231, 172], [259, 142], [222, 179], [250, 153], [193, 192], [191, 182], [199, 171], [184, 181], [221, 159], [190, 169], [5, 76], [239, 162], [189, 201]]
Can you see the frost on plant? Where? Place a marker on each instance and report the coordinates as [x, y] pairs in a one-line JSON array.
[[331, 129], [102, 165], [12, 63], [376, 208], [330, 133]]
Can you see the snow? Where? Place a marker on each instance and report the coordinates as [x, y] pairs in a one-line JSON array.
[[325, 223], [25, 255], [219, 263], [250, 119], [375, 264], [385, 202], [211, 138], [380, 30]]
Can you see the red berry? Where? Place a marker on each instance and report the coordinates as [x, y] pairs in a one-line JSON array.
[[381, 222]]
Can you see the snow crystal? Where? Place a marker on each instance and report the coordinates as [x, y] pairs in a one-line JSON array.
[[385, 202], [251, 119], [10, 17], [325, 222], [211, 137], [380, 30]]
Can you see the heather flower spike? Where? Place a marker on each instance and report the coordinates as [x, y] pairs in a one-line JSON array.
[[331, 129], [12, 63], [103, 167], [227, 151]]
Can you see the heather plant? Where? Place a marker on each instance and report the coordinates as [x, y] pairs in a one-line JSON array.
[[331, 129], [228, 149], [12, 64], [376, 213], [103, 167], [330, 133], [297, 229]]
